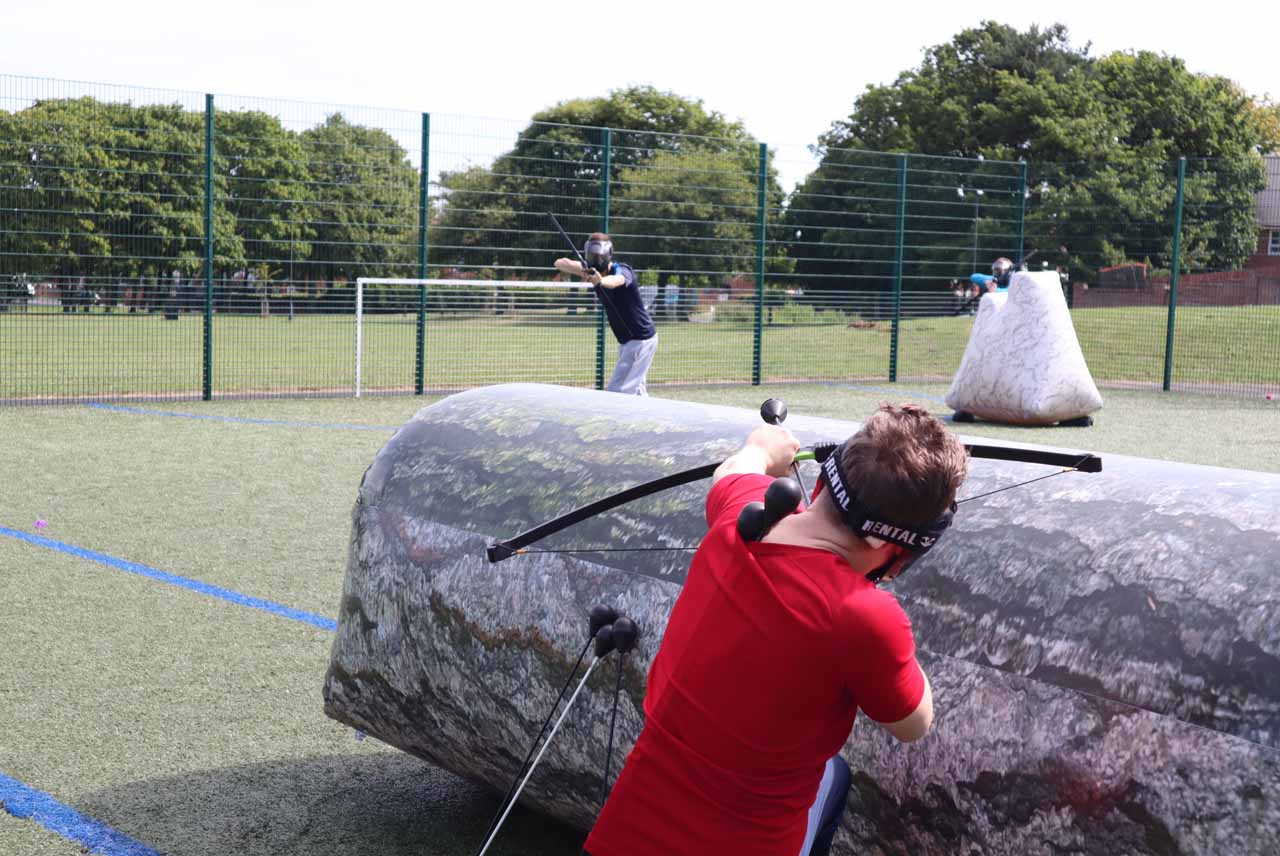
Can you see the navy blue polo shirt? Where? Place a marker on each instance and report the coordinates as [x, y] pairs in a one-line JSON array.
[[624, 307]]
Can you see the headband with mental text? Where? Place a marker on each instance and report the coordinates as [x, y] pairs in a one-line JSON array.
[[867, 522]]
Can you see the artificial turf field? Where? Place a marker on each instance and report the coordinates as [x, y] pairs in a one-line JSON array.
[[192, 724]]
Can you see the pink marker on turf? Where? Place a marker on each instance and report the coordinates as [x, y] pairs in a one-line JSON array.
[[41, 524]]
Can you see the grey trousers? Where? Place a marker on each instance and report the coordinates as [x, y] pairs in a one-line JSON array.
[[634, 358]]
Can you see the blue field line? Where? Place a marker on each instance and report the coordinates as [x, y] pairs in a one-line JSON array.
[[25, 802], [884, 390], [173, 579], [145, 411]]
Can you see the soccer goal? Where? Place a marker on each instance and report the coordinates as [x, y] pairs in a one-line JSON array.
[[471, 316]]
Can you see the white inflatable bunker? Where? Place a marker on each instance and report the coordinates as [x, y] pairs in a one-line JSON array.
[[1023, 364]]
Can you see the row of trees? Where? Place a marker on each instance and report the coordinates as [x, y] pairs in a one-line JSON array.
[[116, 190], [110, 191]]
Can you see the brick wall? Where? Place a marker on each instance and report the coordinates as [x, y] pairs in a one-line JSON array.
[[1260, 261], [1223, 288]]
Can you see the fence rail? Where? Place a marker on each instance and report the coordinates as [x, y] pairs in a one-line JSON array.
[[167, 244]]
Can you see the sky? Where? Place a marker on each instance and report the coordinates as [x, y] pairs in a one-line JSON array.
[[787, 72]]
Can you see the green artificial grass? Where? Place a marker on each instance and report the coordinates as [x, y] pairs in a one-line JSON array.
[[195, 725], [28, 838]]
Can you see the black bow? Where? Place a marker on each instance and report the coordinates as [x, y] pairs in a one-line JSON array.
[[1084, 462]]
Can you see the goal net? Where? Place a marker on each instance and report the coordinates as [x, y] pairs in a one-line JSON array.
[[476, 332]]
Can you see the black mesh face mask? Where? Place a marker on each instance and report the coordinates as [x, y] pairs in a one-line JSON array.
[[867, 522], [1002, 270], [599, 255]]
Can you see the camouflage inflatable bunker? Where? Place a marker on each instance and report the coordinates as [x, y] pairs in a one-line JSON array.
[[1103, 647]]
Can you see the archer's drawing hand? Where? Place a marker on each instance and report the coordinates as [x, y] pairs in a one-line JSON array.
[[777, 446], [592, 276]]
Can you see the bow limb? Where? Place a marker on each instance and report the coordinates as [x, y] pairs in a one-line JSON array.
[[1071, 462], [1085, 462], [509, 547], [500, 550]]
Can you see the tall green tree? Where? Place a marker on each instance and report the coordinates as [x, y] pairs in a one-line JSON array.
[[363, 208], [55, 157], [971, 97], [165, 194], [688, 215], [268, 191], [494, 218], [1102, 137]]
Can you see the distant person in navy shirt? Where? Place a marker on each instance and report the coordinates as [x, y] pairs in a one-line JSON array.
[[615, 285]]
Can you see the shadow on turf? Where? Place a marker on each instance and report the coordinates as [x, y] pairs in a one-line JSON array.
[[384, 804]]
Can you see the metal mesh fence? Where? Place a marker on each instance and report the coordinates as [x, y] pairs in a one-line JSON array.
[[1088, 222], [101, 200], [315, 196], [1225, 330], [171, 244]]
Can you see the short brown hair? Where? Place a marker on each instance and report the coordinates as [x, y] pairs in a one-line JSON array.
[[600, 236], [904, 463]]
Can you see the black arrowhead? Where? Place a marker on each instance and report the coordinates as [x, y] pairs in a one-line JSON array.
[[773, 411]]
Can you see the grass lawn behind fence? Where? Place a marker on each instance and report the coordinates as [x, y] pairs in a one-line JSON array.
[[60, 355]]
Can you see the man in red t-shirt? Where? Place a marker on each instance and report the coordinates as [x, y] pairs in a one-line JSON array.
[[774, 645]]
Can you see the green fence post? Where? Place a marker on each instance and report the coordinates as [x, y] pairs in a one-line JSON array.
[[604, 227], [897, 268], [207, 371], [1022, 210], [1173, 274], [762, 214], [419, 357]]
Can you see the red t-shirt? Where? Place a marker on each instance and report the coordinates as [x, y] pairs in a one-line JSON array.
[[768, 654]]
